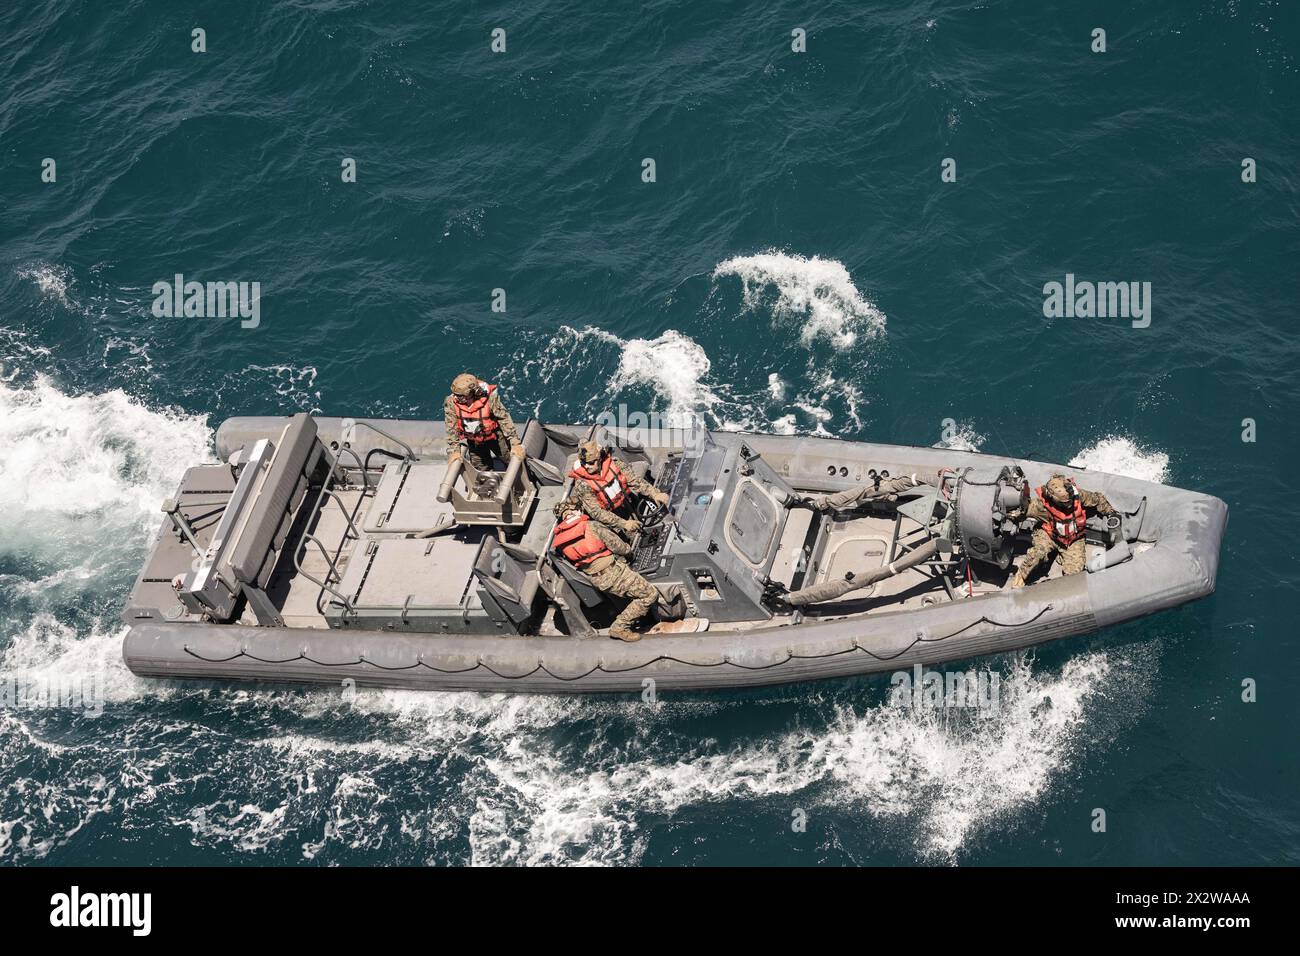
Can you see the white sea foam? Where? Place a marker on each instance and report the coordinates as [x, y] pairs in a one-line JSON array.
[[295, 387], [1118, 455], [81, 482], [678, 372], [82, 477], [947, 778], [52, 280], [818, 292], [826, 391], [675, 366], [944, 780], [47, 648], [17, 353], [962, 437], [292, 382], [785, 425]]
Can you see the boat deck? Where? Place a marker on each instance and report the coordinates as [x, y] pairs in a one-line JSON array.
[[301, 600], [853, 543]]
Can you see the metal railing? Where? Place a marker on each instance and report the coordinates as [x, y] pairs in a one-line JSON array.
[[350, 533]]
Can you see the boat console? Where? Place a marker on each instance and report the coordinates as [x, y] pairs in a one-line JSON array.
[[727, 515]]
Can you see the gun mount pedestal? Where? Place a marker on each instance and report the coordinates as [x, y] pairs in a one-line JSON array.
[[489, 497]]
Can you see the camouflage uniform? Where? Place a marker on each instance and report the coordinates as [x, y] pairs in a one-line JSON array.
[[853, 497], [590, 504], [481, 454], [612, 575], [1042, 546]]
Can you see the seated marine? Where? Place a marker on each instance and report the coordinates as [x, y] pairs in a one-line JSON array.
[[604, 487], [478, 425], [1062, 507], [599, 553]]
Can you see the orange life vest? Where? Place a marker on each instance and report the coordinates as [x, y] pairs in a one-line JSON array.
[[577, 542], [475, 422], [609, 484], [1064, 527]]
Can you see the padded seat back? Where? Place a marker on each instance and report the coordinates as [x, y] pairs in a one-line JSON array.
[[509, 576], [581, 584], [631, 451], [262, 537], [549, 450]]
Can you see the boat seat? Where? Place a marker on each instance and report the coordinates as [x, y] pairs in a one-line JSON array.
[[263, 534], [587, 592], [671, 606], [508, 575], [631, 451], [549, 450], [256, 522]]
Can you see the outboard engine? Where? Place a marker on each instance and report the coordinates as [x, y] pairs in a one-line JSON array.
[[982, 500]]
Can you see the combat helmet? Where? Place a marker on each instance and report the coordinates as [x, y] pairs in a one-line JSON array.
[[1060, 489], [464, 385], [590, 452]]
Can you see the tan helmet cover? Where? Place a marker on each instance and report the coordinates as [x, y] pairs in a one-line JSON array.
[[1058, 490], [464, 384], [589, 452]]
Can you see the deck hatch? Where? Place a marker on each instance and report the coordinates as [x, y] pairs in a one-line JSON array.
[[752, 523], [406, 499]]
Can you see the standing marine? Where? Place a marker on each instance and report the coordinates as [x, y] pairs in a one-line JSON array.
[[604, 487], [1062, 507], [478, 425], [599, 553]]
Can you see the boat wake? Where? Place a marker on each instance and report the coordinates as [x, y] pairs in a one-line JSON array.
[[81, 481]]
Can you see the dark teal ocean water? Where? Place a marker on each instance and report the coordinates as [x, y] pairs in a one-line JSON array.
[[797, 266]]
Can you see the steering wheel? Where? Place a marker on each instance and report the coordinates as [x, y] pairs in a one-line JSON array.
[[650, 514]]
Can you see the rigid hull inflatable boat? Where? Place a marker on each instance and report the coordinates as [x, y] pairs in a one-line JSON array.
[[333, 550]]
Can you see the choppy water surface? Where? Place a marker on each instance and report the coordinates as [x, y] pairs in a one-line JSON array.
[[797, 267]]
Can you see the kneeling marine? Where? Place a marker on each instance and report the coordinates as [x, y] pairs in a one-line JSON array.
[[1062, 507]]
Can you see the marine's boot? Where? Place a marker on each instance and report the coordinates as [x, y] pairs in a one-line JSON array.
[[1018, 581], [624, 634], [690, 625]]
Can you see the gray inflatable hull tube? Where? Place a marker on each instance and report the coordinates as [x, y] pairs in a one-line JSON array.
[[1182, 568]]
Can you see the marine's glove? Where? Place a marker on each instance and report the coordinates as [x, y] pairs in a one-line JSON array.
[[517, 451], [631, 524], [774, 593], [454, 457], [661, 498]]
